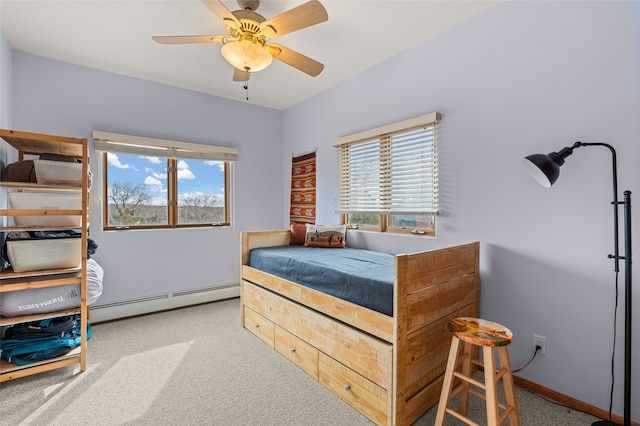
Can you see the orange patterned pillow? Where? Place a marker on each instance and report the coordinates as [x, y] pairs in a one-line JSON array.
[[329, 236], [298, 231]]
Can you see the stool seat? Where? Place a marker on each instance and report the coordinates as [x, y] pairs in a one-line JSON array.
[[480, 332], [470, 334]]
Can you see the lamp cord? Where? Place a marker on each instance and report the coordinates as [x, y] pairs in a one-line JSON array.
[[535, 352], [613, 352]]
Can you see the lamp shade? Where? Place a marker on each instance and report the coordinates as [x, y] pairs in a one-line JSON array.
[[542, 168], [546, 168], [246, 56]]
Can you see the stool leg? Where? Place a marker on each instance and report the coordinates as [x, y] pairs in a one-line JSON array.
[[447, 383], [509, 390], [491, 388], [463, 406]]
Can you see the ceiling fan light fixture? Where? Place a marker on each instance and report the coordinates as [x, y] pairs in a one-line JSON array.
[[246, 55]]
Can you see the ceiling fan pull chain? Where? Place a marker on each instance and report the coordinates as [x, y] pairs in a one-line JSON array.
[[246, 86]]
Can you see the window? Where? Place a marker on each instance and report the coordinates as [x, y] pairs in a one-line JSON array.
[[388, 177], [152, 183]]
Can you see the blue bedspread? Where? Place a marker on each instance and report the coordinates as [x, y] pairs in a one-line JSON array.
[[359, 276]]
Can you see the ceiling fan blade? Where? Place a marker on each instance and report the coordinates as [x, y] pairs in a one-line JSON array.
[[189, 39], [240, 75], [221, 11], [295, 59], [303, 16]]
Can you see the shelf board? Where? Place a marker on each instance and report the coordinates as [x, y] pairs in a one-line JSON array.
[[9, 371], [37, 317], [32, 186], [34, 228], [9, 274], [35, 143], [40, 212]]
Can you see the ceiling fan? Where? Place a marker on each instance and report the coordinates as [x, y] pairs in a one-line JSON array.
[[245, 46]]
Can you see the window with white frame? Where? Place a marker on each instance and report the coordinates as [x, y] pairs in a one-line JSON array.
[[155, 183], [388, 177]]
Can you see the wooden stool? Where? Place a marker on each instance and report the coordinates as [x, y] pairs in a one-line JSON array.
[[475, 332]]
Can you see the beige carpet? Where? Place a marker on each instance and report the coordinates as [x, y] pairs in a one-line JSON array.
[[197, 366]]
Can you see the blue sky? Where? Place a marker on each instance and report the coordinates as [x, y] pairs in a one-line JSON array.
[[194, 176]]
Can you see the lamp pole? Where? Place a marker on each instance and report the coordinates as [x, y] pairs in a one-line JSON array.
[[627, 307], [546, 169]]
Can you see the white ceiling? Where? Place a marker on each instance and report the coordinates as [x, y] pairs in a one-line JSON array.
[[115, 36]]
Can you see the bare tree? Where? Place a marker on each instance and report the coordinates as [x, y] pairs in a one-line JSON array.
[[201, 208], [128, 198]]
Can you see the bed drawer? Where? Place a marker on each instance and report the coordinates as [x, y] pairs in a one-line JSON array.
[[370, 357], [297, 351], [363, 395], [259, 325]]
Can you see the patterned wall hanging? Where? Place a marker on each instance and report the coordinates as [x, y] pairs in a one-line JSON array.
[[303, 189]]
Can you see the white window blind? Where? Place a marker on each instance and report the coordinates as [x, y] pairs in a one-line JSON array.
[[390, 170], [150, 147]]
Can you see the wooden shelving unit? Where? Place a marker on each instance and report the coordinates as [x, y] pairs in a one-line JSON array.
[[35, 144]]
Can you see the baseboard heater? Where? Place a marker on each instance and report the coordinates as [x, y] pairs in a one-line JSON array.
[[130, 308]]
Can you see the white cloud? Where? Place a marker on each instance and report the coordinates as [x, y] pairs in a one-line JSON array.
[[150, 180], [114, 161], [213, 163], [183, 170], [196, 194], [155, 174], [152, 160], [158, 201], [185, 174]]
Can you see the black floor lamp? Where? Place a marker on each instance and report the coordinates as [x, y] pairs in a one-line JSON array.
[[546, 169]]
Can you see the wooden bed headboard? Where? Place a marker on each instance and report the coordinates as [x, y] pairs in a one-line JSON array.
[[251, 240]]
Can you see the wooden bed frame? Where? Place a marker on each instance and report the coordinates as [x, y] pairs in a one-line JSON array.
[[388, 368]]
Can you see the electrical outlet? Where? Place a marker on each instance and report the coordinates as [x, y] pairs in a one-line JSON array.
[[539, 341]]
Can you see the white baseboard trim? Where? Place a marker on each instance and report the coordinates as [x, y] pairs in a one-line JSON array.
[[129, 308]]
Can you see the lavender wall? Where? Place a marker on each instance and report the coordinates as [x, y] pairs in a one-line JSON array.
[[522, 78], [63, 99], [5, 83], [5, 109]]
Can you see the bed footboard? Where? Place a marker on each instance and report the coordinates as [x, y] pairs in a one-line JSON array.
[[432, 287]]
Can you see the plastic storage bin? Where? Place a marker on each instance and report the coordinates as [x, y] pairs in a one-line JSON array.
[[38, 255], [46, 201], [58, 172]]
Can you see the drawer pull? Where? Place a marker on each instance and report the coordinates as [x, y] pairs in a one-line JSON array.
[[347, 387], [257, 325], [293, 350]]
